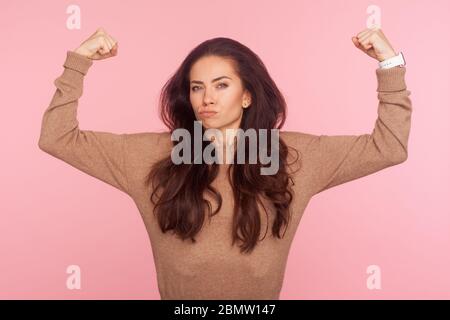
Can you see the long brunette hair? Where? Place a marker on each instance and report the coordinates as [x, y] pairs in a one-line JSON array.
[[180, 205]]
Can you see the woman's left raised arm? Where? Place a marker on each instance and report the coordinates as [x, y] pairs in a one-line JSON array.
[[332, 160]]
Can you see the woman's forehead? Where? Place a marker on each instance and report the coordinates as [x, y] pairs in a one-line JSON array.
[[211, 67]]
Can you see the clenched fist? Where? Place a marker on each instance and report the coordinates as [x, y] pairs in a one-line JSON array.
[[374, 43], [98, 46]]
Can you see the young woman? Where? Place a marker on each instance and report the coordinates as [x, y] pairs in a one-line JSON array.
[[223, 231]]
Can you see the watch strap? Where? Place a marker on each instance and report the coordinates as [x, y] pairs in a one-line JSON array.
[[398, 60]]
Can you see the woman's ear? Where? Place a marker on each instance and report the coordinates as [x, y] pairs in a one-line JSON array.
[[247, 101]]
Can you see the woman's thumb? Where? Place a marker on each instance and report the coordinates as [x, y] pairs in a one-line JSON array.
[[355, 42]]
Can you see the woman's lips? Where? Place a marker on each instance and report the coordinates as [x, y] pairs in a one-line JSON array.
[[207, 114]]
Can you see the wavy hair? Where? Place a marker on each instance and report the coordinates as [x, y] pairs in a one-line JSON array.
[[178, 188]]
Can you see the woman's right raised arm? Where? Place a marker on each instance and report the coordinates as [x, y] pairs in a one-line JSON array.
[[99, 154]]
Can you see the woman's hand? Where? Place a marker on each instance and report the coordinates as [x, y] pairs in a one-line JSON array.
[[374, 43], [98, 46]]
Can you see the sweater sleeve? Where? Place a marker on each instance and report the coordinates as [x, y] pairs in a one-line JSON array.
[[334, 160], [99, 154]]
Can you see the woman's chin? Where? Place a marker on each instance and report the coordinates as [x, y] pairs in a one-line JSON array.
[[208, 124]]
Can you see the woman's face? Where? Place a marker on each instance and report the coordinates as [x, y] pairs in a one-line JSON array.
[[214, 86]]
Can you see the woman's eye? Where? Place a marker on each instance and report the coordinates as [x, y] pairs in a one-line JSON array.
[[224, 86]]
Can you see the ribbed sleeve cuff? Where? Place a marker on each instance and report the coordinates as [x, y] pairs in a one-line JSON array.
[[392, 79], [77, 62]]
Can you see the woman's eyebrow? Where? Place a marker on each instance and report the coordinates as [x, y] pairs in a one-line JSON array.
[[214, 80]]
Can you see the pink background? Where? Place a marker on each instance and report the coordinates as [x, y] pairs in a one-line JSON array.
[[54, 216]]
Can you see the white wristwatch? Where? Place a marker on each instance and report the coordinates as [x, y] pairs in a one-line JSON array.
[[398, 60]]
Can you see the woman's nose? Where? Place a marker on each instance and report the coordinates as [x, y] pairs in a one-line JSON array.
[[208, 98]]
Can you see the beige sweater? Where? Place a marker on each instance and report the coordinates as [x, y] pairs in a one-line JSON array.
[[211, 268]]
